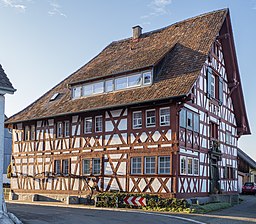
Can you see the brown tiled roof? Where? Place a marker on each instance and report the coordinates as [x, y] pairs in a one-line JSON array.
[[5, 83], [181, 49]]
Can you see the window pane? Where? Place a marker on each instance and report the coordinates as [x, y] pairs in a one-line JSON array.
[[147, 78], [98, 124], [59, 129], [33, 132], [87, 90], [65, 166], [86, 166], [151, 118], [136, 165], [183, 118], [196, 166], [76, 92], [66, 127], [121, 83], [196, 122], [109, 85], [137, 119], [164, 165], [190, 168], [96, 166], [57, 166], [134, 80], [88, 125], [98, 87], [27, 132], [189, 120], [183, 165], [150, 165], [164, 116]]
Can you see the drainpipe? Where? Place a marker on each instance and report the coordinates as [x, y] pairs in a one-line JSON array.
[[2, 104]]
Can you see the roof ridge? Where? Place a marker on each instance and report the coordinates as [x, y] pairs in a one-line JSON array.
[[178, 22]]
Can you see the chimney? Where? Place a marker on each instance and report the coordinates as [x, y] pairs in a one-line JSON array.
[[137, 31]]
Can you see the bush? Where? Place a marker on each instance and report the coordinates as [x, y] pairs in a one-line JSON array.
[[153, 202]]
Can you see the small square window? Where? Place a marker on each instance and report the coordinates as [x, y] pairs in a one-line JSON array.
[[136, 165], [164, 164], [164, 116], [151, 118]]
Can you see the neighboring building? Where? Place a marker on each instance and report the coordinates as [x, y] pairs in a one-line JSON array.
[[157, 113], [7, 153], [246, 169]]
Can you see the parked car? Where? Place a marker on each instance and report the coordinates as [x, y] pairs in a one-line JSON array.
[[249, 188]]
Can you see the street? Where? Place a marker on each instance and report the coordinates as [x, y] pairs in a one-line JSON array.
[[41, 214]]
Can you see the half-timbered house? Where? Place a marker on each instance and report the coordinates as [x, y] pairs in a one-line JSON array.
[[160, 113]]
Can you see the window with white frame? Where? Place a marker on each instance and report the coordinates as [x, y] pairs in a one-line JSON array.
[[57, 166], [164, 116], [109, 85], [96, 166], [183, 165], [136, 165], [88, 125], [196, 166], [164, 164], [137, 119], [76, 92], [98, 124], [86, 166], [189, 165], [147, 78], [65, 166], [66, 128], [59, 130], [150, 165], [150, 118]]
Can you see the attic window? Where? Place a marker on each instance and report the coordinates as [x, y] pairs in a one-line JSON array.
[[54, 97]]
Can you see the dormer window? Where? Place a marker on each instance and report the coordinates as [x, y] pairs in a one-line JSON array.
[[115, 84]]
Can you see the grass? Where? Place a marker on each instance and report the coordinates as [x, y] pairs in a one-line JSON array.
[[202, 209]]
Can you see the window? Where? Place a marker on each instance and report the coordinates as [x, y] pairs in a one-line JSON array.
[[27, 133], [96, 166], [66, 128], [54, 96], [57, 166], [137, 119], [212, 86], [196, 166], [86, 167], [109, 85], [150, 118], [136, 165], [76, 92], [59, 129], [229, 172], [98, 87], [88, 125], [150, 165], [121, 83], [196, 123], [65, 166], [147, 78], [183, 118], [87, 90], [164, 164], [214, 130], [98, 124], [134, 80], [33, 133], [183, 165], [228, 137], [189, 166], [189, 120], [164, 116]]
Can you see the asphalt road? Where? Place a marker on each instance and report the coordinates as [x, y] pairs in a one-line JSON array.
[[37, 214]]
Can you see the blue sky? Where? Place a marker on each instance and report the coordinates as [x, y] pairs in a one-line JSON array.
[[44, 41]]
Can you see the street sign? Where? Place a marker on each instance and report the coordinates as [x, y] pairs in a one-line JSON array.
[[135, 201]]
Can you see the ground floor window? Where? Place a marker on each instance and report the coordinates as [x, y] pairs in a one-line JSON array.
[[150, 164], [91, 166]]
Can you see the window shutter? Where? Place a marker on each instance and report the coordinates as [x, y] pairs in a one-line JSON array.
[[220, 90], [209, 78]]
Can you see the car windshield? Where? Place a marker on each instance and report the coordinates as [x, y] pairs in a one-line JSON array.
[[248, 184]]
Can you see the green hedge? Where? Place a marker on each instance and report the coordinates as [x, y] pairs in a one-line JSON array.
[[153, 202]]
